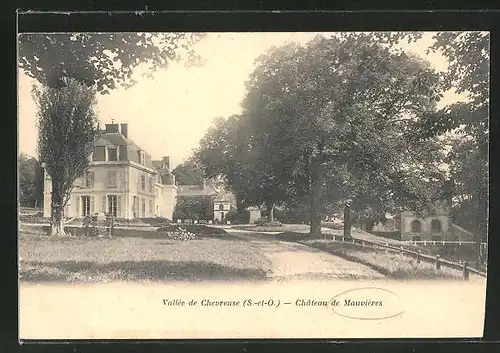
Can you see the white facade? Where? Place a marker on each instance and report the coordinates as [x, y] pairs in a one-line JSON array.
[[121, 181]]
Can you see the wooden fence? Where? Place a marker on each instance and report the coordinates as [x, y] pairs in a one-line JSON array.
[[437, 260]]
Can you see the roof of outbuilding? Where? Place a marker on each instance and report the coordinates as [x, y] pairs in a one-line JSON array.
[[195, 190]]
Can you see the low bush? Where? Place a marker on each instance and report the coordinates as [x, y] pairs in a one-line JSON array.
[[196, 229], [264, 222], [156, 221], [236, 217]]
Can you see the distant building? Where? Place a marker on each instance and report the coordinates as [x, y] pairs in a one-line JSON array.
[[223, 203], [432, 226], [122, 180], [435, 226]]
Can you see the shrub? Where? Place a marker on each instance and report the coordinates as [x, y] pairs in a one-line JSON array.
[[264, 222], [156, 221], [236, 217], [196, 229], [199, 207], [295, 215]]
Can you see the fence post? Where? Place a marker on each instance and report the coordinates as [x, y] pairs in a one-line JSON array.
[[438, 264], [362, 244], [418, 256], [401, 249], [465, 271]]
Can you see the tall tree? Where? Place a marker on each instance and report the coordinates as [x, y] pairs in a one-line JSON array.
[[333, 120], [188, 173], [66, 65], [30, 181], [468, 58], [67, 129], [102, 60]]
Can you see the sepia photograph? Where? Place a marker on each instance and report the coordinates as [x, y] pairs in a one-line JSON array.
[[253, 185]]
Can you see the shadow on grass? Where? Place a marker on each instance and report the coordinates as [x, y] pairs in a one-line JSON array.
[[91, 272]]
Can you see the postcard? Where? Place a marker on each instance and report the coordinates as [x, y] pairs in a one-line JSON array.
[[253, 185]]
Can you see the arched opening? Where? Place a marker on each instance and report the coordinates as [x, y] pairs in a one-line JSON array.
[[416, 226], [436, 226]]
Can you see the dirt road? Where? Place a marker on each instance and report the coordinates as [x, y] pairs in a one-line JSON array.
[[297, 261]]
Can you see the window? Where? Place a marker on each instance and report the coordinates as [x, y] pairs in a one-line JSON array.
[[89, 179], [151, 207], [143, 182], [85, 206], [112, 154], [416, 238], [416, 226], [135, 207], [150, 179], [436, 238], [221, 207], [99, 154], [113, 205], [112, 178], [142, 157], [122, 153], [436, 226], [143, 207]]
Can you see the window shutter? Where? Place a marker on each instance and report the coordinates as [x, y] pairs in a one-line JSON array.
[[118, 206], [91, 176], [77, 205], [103, 204], [92, 204]]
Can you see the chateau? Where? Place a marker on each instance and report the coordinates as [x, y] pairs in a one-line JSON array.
[[122, 180]]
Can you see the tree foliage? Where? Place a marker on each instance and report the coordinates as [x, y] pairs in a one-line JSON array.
[[194, 208], [67, 130], [188, 173], [330, 121], [468, 57], [30, 181], [103, 60]]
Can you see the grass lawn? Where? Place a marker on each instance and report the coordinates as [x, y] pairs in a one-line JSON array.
[[97, 260], [393, 265]]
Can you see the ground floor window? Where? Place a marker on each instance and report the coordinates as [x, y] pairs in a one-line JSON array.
[[112, 205], [143, 207], [135, 207], [436, 238], [416, 238], [85, 206]]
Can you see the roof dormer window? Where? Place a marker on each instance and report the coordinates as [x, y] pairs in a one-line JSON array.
[[142, 157], [112, 153]]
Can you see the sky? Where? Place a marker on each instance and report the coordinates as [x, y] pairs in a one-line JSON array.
[[168, 114]]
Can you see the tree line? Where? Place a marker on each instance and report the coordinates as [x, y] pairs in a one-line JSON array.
[[346, 118], [354, 118]]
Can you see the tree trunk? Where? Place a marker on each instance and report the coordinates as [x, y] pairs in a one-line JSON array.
[[271, 214], [315, 199], [57, 221], [347, 221], [57, 216]]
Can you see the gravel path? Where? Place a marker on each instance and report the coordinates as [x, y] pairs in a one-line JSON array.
[[296, 261]]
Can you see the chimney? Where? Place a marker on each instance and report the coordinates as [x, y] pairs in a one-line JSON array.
[[111, 128], [166, 161], [124, 130]]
